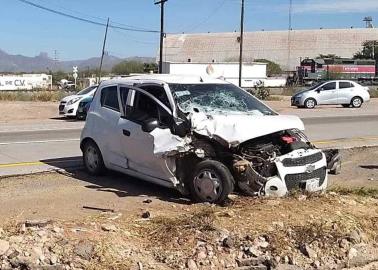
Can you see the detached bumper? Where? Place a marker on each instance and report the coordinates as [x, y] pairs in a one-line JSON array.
[[301, 169]]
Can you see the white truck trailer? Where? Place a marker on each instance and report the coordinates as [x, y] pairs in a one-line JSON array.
[[253, 73], [25, 82]]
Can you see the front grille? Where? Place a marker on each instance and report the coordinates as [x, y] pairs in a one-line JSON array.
[[302, 161], [299, 180]]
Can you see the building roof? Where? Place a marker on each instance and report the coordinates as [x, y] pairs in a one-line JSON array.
[[283, 47]]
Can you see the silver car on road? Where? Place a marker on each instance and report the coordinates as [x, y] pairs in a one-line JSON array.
[[345, 93]]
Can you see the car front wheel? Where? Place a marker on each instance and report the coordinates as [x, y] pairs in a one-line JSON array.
[[310, 103], [211, 182], [92, 159]]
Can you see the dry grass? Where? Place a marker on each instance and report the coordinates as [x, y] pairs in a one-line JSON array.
[[373, 92], [183, 226], [107, 257], [43, 96], [363, 191]]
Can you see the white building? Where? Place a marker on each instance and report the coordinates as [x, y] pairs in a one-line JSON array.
[[285, 48]]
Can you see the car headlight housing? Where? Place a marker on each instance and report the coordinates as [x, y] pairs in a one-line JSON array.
[[72, 101], [299, 96]]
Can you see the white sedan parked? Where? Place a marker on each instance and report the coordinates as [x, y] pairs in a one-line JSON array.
[[342, 92], [68, 106]]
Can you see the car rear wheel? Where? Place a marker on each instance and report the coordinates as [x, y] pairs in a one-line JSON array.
[[92, 159], [310, 103], [356, 102], [211, 182]]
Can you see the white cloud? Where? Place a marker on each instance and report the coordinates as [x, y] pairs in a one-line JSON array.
[[336, 6]]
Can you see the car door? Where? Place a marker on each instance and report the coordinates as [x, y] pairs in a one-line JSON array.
[[141, 148], [345, 92], [327, 94], [106, 123]]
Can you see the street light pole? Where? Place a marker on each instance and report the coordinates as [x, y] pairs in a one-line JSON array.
[[162, 34], [241, 43]]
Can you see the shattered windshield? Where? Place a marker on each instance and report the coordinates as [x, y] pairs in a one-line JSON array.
[[210, 97]]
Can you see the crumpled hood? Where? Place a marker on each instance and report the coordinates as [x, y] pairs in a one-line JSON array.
[[235, 129], [302, 91], [66, 99]]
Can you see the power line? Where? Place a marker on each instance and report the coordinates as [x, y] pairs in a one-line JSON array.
[[86, 20], [205, 20]]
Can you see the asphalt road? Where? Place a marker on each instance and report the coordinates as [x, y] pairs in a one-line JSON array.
[[26, 150]]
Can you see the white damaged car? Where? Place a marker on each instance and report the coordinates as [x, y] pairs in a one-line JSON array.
[[202, 136]]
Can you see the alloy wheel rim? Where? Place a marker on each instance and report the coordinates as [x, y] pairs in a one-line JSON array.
[[356, 102], [310, 103]]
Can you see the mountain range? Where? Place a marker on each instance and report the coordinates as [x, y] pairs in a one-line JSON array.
[[43, 63]]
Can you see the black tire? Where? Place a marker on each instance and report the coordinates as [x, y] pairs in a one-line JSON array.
[[356, 102], [219, 175], [346, 105], [92, 158], [310, 103]]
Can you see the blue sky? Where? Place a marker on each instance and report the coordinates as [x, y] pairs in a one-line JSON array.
[[28, 30]]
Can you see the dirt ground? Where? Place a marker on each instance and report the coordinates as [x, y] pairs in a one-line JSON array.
[[19, 111], [131, 224], [63, 195]]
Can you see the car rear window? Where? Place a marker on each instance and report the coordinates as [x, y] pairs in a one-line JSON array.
[[109, 98], [345, 85]]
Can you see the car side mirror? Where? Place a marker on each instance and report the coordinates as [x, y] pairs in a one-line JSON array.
[[150, 124], [318, 90]]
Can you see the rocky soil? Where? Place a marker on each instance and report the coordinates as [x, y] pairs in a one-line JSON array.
[[331, 231]]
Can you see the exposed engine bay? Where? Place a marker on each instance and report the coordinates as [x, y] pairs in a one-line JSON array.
[[269, 165]]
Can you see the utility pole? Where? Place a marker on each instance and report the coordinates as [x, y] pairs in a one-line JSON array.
[[103, 51], [162, 34], [241, 43], [289, 35]]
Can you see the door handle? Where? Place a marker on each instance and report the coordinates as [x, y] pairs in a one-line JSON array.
[[126, 132]]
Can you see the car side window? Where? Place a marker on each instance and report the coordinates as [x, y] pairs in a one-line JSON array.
[[146, 108], [109, 98], [329, 86], [158, 92], [343, 85]]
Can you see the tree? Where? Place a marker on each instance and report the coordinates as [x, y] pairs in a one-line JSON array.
[[272, 68], [331, 56], [369, 51], [127, 67]]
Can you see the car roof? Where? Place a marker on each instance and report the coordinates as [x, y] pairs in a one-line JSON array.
[[164, 78]]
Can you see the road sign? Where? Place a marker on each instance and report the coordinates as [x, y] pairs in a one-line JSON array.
[[75, 76], [75, 69]]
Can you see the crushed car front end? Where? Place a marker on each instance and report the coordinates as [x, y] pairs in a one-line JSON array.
[[278, 163], [267, 154]]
